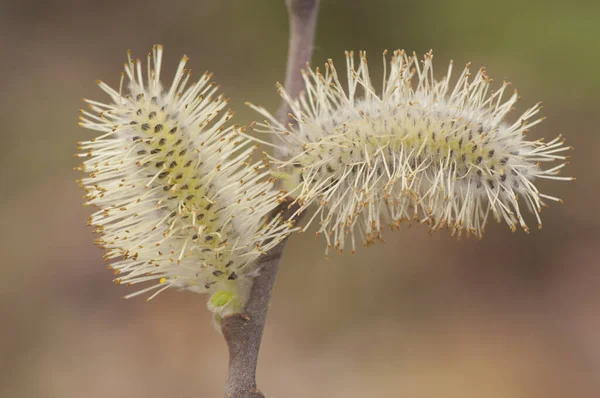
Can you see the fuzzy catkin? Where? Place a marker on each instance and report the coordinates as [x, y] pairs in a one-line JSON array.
[[422, 150], [180, 203]]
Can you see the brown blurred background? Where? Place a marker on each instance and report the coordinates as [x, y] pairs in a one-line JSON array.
[[420, 316]]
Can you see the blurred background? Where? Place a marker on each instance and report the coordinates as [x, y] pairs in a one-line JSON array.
[[513, 315]]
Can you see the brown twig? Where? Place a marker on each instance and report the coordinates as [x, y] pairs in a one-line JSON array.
[[243, 332]]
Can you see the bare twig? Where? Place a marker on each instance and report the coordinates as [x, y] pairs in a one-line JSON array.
[[243, 332], [303, 23]]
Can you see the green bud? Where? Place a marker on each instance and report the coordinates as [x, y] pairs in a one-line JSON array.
[[221, 299]]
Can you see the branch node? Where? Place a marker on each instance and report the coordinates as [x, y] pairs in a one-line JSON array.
[[243, 331]]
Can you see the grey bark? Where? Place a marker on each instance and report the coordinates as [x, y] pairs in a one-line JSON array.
[[243, 332], [303, 23]]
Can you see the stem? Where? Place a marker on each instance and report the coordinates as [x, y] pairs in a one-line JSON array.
[[303, 23], [243, 332]]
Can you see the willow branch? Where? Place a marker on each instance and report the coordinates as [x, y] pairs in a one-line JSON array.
[[303, 23], [243, 332]]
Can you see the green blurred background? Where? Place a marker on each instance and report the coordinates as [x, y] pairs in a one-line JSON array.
[[419, 316]]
